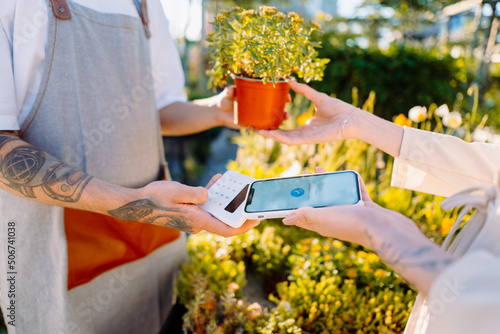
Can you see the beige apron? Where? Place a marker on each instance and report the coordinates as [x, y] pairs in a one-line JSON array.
[[95, 111]]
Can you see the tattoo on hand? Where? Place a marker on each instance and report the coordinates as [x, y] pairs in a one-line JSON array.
[[146, 211], [25, 168]]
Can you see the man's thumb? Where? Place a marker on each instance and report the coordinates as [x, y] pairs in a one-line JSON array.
[[191, 195]]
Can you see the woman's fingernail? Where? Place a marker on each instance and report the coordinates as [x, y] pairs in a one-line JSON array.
[[291, 218]]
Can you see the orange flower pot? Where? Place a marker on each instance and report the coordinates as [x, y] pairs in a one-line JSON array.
[[260, 105]]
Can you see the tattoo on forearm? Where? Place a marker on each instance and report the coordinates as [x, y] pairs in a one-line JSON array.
[[24, 168], [64, 183], [20, 168], [4, 139], [146, 211]]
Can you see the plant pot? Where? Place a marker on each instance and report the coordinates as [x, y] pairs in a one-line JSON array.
[[260, 105]]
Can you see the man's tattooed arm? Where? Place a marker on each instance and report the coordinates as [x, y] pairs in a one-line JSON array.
[[145, 211], [26, 169], [31, 173]]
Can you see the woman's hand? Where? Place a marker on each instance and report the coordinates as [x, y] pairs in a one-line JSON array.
[[324, 126], [346, 222], [337, 120], [394, 237]]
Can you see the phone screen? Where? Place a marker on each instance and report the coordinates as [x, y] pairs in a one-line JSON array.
[[316, 190]]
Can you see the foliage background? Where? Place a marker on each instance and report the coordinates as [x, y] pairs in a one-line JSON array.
[[401, 77]]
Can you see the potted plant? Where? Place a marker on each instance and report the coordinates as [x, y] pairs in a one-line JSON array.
[[260, 49]]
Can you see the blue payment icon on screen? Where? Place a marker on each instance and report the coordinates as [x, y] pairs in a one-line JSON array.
[[297, 192]]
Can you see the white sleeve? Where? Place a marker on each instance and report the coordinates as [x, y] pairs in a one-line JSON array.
[[8, 107], [443, 165], [168, 74], [465, 298]]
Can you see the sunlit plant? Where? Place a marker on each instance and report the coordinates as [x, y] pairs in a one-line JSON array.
[[263, 44]]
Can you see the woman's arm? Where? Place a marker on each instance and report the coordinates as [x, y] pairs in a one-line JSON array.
[[426, 161], [336, 120], [395, 238]]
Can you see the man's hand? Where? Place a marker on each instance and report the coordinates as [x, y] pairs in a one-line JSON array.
[[225, 102], [171, 204], [324, 126], [222, 105]]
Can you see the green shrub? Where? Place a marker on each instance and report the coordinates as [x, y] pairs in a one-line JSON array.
[[401, 77], [336, 305], [209, 258], [270, 253]]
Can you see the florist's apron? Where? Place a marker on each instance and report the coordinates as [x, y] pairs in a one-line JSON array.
[[95, 111]]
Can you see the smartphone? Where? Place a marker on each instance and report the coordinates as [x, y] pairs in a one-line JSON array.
[[235, 197], [276, 198]]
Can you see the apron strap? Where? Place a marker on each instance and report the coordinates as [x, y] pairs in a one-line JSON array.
[[142, 8], [61, 9]]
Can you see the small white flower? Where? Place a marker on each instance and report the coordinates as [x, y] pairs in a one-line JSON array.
[[442, 110], [453, 120], [294, 170], [286, 305], [418, 114]]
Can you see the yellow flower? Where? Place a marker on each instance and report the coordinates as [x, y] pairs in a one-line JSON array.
[[326, 247], [302, 119], [367, 269], [249, 12], [372, 258], [351, 273], [337, 244], [362, 254], [446, 225], [327, 257], [380, 273], [268, 10], [315, 25], [315, 248], [402, 120]]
